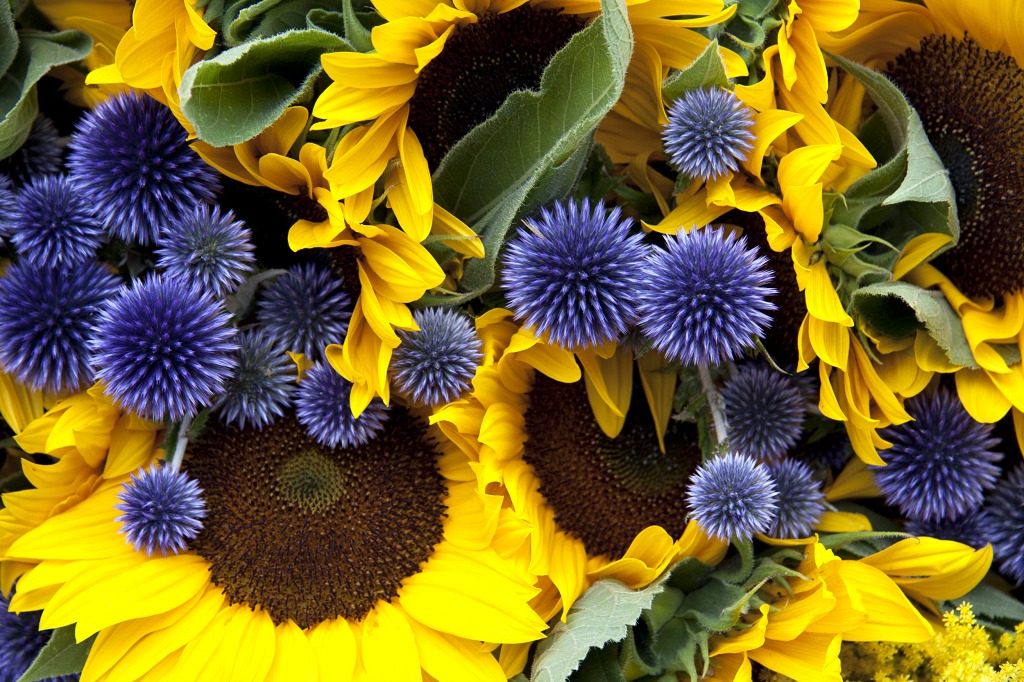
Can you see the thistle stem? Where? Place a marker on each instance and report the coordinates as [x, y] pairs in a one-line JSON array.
[[715, 403]]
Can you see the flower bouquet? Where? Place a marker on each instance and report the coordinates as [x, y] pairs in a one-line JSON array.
[[537, 340]]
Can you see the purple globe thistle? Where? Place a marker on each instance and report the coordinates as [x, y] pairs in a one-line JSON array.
[[708, 133], [436, 364], [1006, 523], [733, 497], [20, 643], [211, 248], [973, 528], [132, 160], [322, 407], [163, 510], [573, 274], [801, 500], [940, 464], [830, 450], [261, 385], [305, 310], [46, 320], [39, 156], [705, 297], [8, 204], [53, 225], [765, 410], [164, 347]]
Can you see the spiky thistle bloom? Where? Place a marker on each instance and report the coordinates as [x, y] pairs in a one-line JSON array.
[[203, 244], [53, 225], [1006, 516], [829, 450], [305, 310], [322, 407], [20, 643], [8, 204], [133, 162], [765, 410], [940, 464], [435, 365], [573, 274], [801, 500], [705, 297], [708, 133], [163, 510], [973, 528], [39, 156], [164, 347], [733, 497], [46, 320], [261, 385]]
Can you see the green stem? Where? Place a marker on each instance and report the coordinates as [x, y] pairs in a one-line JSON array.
[[715, 403]]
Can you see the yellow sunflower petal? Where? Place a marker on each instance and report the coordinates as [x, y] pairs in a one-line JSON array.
[[389, 646], [444, 657], [980, 396], [334, 647], [568, 569], [294, 657]]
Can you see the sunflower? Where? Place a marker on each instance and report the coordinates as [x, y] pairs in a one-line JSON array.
[[313, 563], [93, 442], [982, 277], [800, 631], [588, 506], [164, 40], [19, 404]]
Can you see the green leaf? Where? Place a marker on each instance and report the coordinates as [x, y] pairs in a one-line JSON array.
[[8, 37], [600, 665], [717, 606], [840, 540], [737, 569], [355, 31], [897, 309], [238, 94], [993, 606], [689, 574], [537, 143], [910, 193], [240, 303], [61, 656], [603, 614], [708, 70], [37, 53]]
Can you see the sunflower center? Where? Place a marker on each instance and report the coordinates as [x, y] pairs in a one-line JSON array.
[[480, 66], [968, 99], [313, 533], [604, 491]]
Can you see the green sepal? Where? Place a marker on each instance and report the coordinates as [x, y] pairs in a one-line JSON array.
[[898, 309], [600, 665], [27, 56], [240, 304], [533, 149], [602, 615], [636, 660], [62, 655], [909, 193], [836, 541], [737, 569], [717, 606], [677, 646], [767, 569], [241, 92], [708, 70]]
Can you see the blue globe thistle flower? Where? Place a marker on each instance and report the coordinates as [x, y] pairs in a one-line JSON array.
[[765, 411], [322, 407], [53, 225], [830, 450], [708, 133], [8, 204], [46, 320], [705, 297], [1006, 518], [38, 156], [261, 385], [163, 510], [733, 497], [20, 643], [436, 364], [305, 310], [212, 248], [974, 528], [940, 464], [132, 160], [572, 274], [801, 500], [164, 347]]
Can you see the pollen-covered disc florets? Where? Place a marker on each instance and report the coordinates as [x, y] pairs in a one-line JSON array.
[[708, 133], [705, 297], [572, 274], [163, 510]]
